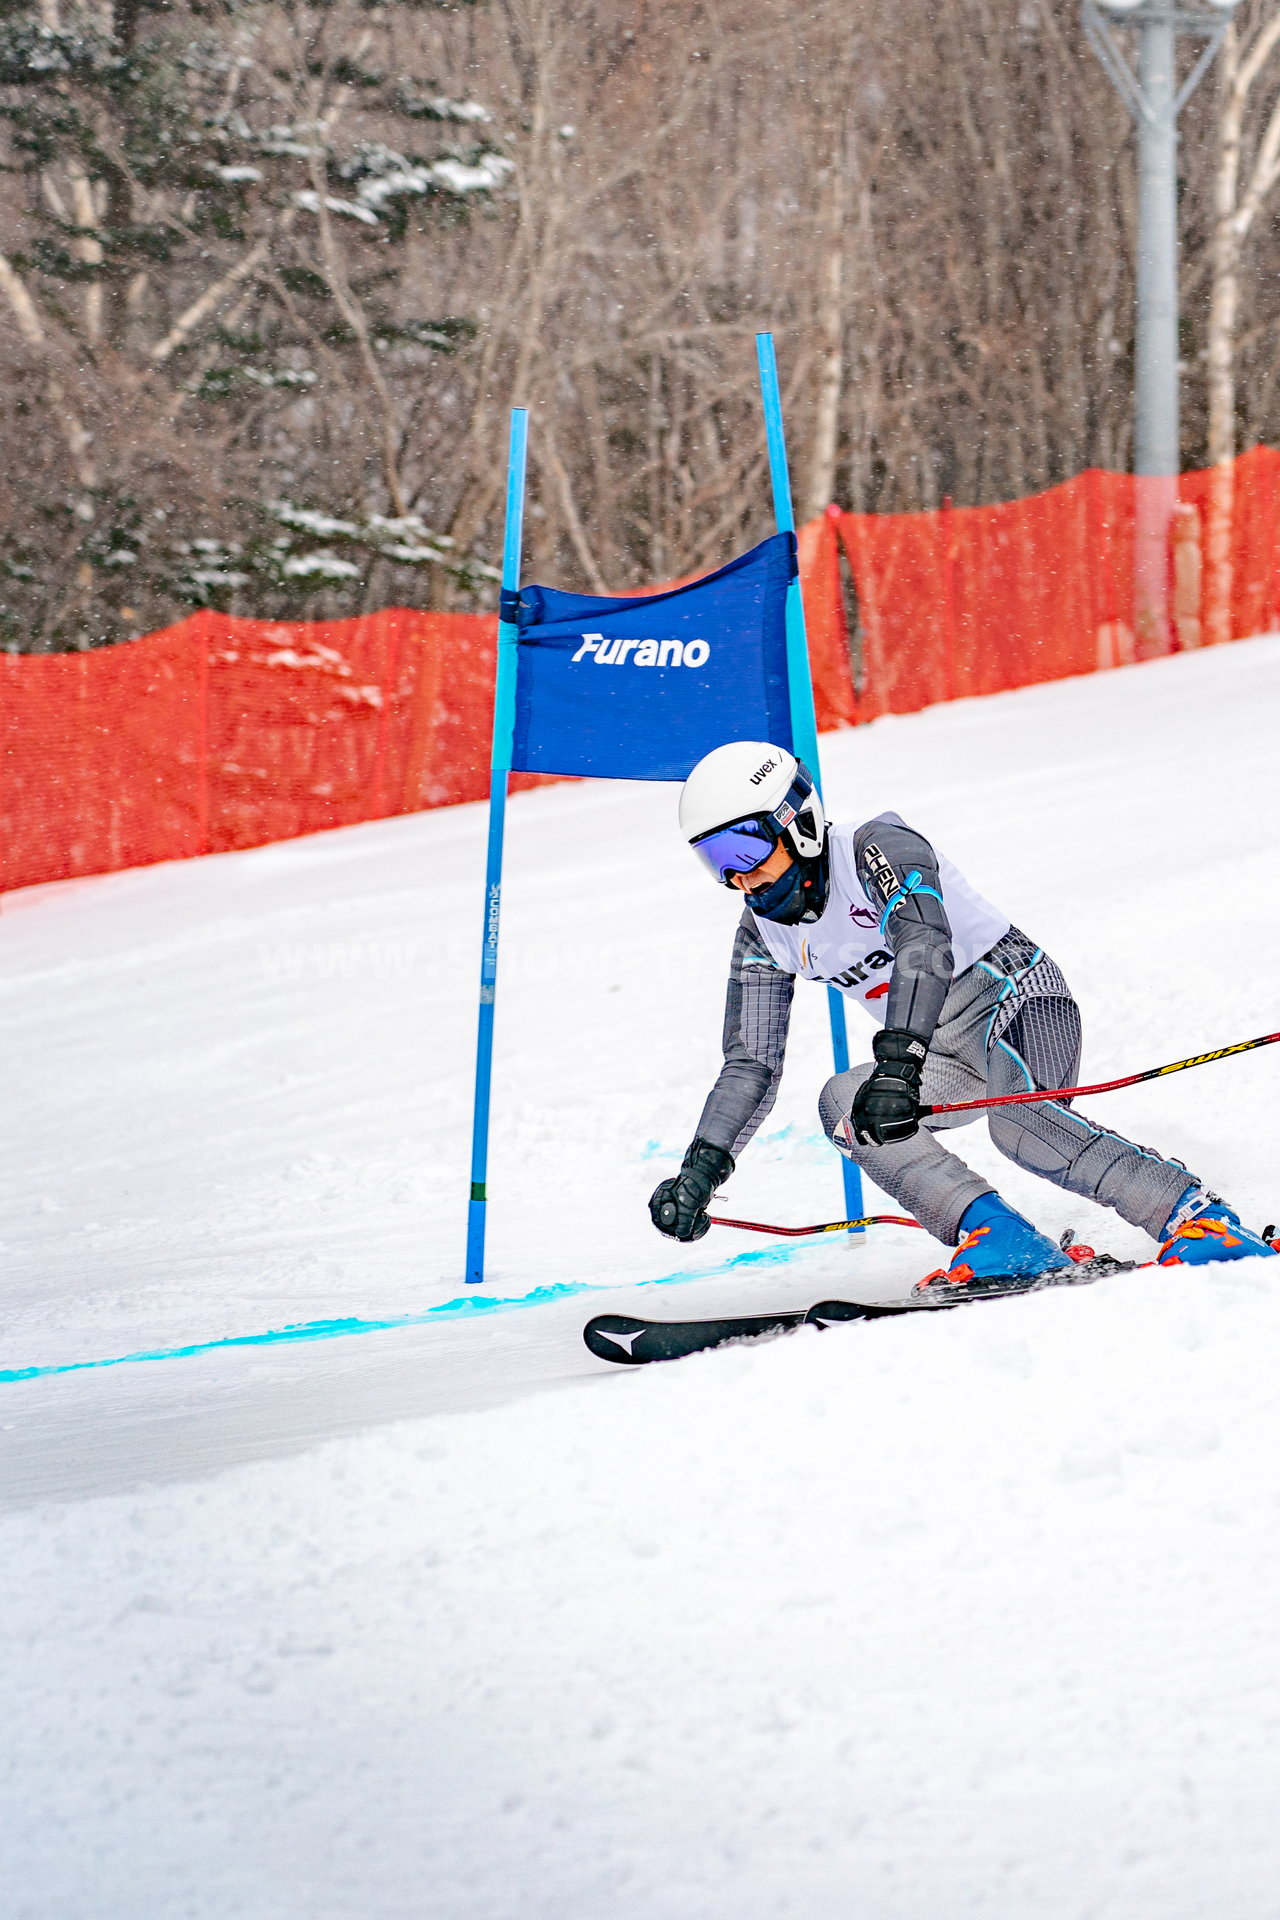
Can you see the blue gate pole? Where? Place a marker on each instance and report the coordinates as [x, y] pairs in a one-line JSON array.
[[504, 716], [804, 724]]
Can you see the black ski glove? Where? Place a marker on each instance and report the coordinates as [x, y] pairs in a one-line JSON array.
[[886, 1107], [679, 1206]]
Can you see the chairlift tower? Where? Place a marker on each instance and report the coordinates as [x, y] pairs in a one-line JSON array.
[[1150, 90]]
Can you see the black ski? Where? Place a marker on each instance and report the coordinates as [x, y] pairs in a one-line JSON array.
[[634, 1343], [630, 1342]]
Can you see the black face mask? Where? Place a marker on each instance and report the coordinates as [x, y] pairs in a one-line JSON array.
[[797, 895]]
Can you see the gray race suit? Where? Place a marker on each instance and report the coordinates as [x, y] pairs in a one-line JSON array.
[[994, 1010]]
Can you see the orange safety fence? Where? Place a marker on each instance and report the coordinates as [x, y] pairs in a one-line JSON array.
[[221, 733], [975, 600]]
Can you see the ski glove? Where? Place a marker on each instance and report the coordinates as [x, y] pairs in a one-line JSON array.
[[679, 1206], [886, 1107]]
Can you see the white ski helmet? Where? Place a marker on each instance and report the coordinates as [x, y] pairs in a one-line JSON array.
[[744, 799]]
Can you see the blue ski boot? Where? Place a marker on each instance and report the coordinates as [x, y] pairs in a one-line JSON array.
[[999, 1252], [1203, 1228]]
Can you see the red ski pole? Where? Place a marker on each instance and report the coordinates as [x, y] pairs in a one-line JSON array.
[[827, 1226], [1103, 1086]]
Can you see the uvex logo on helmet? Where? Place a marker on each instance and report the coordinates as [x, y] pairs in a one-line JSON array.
[[641, 653], [760, 772]]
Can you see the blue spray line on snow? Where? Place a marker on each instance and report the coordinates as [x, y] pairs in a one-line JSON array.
[[466, 1306]]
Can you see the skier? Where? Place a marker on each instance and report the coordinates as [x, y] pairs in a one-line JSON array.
[[970, 1005]]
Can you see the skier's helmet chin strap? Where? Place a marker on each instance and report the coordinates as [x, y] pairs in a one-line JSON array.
[[743, 801]]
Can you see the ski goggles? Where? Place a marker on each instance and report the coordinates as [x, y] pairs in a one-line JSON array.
[[739, 847]]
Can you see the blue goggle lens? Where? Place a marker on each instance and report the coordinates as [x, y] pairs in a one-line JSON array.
[[735, 849]]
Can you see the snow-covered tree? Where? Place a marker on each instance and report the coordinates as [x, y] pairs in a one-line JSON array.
[[212, 205]]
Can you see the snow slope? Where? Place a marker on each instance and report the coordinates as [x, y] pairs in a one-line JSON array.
[[966, 1616]]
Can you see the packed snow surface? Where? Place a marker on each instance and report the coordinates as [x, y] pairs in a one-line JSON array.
[[972, 1614]]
